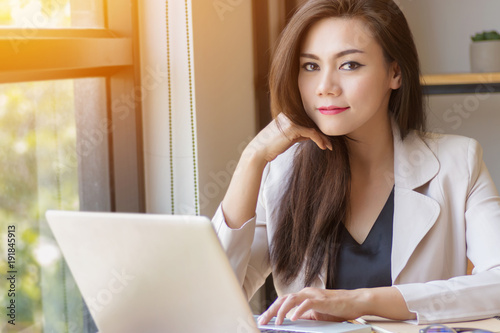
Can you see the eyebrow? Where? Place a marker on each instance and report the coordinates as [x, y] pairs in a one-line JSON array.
[[338, 55]]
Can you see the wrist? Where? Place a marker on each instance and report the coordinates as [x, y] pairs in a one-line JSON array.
[[252, 156], [366, 301], [385, 302]]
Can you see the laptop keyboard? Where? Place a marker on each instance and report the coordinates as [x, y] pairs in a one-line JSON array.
[[270, 330]]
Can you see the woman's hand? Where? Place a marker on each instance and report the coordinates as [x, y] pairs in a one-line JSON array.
[[281, 134], [318, 304], [339, 305]]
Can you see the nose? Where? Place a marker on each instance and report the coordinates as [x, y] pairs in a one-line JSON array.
[[328, 85]]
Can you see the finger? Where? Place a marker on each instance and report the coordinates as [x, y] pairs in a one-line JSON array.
[[283, 122], [271, 311], [319, 139], [309, 315], [302, 309], [329, 144], [291, 301], [285, 125], [325, 140]]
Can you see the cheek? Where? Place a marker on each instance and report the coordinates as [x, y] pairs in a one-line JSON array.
[[306, 89], [306, 95], [302, 90], [365, 91]]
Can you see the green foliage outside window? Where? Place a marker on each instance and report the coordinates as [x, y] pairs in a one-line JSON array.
[[37, 129]]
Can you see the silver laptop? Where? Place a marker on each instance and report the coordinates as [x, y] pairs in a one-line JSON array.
[[159, 273]]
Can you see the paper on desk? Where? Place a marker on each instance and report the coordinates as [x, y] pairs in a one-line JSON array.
[[383, 325]]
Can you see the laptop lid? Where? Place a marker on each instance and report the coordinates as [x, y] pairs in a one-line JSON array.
[[155, 273], [151, 273]]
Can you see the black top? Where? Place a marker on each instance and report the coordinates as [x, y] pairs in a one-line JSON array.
[[367, 265]]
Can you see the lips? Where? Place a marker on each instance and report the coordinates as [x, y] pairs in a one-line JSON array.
[[332, 110]]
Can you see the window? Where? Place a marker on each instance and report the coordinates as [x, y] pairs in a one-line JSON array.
[[39, 14], [70, 138], [37, 140]]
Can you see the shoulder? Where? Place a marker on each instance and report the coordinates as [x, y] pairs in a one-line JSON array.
[[456, 154], [449, 147]]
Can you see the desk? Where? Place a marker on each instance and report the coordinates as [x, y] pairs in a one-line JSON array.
[[382, 325]]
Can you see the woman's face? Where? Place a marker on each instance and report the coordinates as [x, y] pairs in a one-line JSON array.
[[344, 80]]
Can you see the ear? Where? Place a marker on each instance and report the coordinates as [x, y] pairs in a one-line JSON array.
[[395, 72]]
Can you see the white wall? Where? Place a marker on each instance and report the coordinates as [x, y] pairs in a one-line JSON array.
[[224, 66], [475, 116], [442, 31]]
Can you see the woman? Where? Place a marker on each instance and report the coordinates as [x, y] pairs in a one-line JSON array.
[[344, 198]]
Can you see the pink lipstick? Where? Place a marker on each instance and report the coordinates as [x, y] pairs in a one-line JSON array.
[[332, 110]]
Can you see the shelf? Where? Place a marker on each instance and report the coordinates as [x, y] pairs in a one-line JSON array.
[[460, 78], [461, 83]]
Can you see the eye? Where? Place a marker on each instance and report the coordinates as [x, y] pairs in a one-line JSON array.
[[350, 65], [310, 66]]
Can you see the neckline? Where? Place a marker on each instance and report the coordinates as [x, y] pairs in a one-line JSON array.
[[377, 222]]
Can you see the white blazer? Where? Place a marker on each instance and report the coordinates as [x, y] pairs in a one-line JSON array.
[[446, 208]]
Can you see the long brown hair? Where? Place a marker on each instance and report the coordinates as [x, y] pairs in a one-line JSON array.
[[317, 198]]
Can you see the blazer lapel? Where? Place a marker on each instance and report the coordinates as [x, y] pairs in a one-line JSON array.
[[414, 213]]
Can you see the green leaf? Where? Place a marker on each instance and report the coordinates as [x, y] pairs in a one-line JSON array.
[[486, 35]]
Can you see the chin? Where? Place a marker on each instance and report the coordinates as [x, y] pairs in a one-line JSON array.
[[333, 132]]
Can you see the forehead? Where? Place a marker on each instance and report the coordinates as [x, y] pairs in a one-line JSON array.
[[335, 34]]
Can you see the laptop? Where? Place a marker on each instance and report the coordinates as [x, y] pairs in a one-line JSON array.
[[152, 273]]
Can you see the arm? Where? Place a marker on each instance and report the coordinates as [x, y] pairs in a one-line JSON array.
[[467, 297]]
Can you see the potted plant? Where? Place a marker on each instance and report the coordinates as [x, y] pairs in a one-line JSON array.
[[485, 52]]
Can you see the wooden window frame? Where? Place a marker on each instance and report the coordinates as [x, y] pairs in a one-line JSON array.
[[111, 53]]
